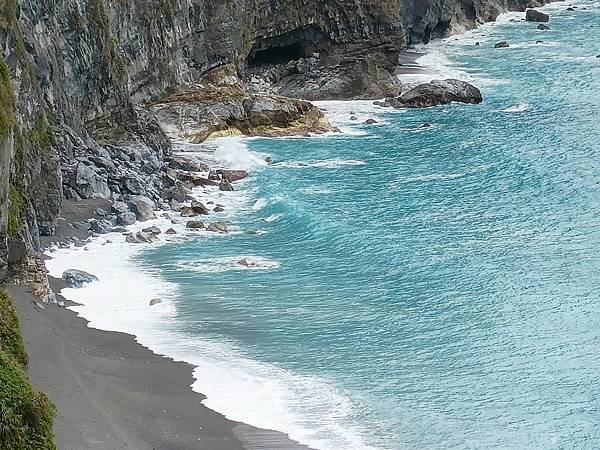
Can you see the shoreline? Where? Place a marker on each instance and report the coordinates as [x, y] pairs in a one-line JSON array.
[[112, 392]]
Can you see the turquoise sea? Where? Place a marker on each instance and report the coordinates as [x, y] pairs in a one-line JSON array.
[[419, 288]]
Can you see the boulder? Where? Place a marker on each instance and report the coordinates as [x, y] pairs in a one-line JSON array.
[[170, 231], [126, 218], [214, 176], [195, 225], [438, 92], [134, 185], [101, 226], [533, 15], [218, 227], [370, 121], [90, 182], [155, 301], [186, 211], [178, 193], [541, 26], [152, 230], [199, 208], [146, 238], [232, 175], [77, 278], [502, 44], [119, 207], [143, 207], [218, 209], [226, 186]]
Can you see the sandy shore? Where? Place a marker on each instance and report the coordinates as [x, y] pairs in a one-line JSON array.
[[111, 392]]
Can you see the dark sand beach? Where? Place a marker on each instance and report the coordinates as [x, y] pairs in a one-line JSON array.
[[112, 393]]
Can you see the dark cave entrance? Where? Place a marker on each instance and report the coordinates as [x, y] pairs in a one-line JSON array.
[[276, 55]]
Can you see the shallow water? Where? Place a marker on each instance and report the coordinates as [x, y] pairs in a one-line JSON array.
[[420, 288]]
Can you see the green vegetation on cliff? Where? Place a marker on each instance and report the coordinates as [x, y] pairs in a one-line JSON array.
[[26, 416], [7, 100]]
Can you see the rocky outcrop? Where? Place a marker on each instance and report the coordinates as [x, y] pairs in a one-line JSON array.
[[438, 92], [228, 110], [533, 15]]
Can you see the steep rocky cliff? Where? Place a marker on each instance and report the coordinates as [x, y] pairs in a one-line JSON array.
[[76, 76]]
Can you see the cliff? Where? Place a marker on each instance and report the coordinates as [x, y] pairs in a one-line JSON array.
[[77, 77]]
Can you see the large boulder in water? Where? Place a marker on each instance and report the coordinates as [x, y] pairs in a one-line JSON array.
[[438, 92], [77, 278], [143, 207], [533, 15]]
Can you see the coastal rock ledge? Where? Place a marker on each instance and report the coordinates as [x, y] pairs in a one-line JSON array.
[[228, 110], [437, 92]]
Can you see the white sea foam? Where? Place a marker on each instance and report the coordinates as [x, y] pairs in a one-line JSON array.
[[324, 164], [521, 107], [311, 410], [227, 264], [350, 116], [273, 218], [316, 190]]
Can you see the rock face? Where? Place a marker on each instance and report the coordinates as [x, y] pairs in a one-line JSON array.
[[223, 110], [438, 92], [533, 15], [77, 278]]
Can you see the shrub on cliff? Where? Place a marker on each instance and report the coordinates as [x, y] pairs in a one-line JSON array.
[[26, 416]]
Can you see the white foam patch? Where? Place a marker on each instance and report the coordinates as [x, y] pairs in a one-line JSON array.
[[350, 116], [324, 164], [273, 218], [316, 190], [227, 264], [521, 107]]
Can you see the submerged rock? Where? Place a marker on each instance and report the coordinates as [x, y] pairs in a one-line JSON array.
[[502, 44], [370, 121], [155, 301], [77, 278], [152, 230], [438, 92], [533, 15], [247, 262], [218, 227], [195, 225], [232, 175], [226, 186], [199, 208], [541, 26]]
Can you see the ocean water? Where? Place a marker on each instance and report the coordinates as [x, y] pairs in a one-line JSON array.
[[417, 287]]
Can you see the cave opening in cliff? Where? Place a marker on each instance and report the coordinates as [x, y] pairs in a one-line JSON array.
[[276, 54]]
